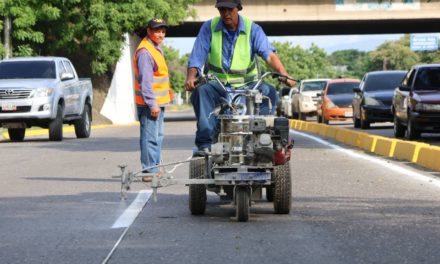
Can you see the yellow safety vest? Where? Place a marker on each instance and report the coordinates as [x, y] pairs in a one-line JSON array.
[[243, 67]]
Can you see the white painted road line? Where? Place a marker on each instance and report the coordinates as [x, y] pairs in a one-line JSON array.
[[128, 217], [130, 214], [378, 161]]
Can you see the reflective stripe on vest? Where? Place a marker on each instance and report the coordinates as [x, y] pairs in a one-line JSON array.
[[243, 67], [161, 80]]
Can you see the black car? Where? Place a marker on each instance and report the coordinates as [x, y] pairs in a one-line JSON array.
[[373, 98]]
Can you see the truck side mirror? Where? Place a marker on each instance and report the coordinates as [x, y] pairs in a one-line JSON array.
[[66, 76]]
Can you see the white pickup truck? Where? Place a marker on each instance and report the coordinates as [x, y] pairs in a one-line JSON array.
[[43, 92]]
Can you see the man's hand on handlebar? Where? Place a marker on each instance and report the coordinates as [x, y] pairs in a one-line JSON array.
[[190, 84], [191, 79]]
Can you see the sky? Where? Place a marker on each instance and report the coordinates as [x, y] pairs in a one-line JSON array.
[[328, 43]]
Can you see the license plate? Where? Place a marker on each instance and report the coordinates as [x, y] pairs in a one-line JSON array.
[[348, 114], [9, 107]]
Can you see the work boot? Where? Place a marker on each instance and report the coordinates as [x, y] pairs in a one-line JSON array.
[[147, 178]]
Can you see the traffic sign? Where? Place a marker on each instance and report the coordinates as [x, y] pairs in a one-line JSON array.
[[424, 42]]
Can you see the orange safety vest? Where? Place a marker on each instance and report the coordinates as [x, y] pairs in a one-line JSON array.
[[161, 81]]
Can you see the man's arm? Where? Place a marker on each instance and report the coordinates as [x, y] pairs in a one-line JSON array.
[[199, 55], [274, 61]]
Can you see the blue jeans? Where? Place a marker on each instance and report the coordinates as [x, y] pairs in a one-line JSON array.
[[151, 137], [206, 97]]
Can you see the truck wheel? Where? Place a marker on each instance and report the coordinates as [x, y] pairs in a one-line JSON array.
[[269, 193], [197, 192], [242, 203], [56, 126], [16, 134], [411, 131], [282, 197], [301, 116], [399, 129], [325, 121], [83, 126]]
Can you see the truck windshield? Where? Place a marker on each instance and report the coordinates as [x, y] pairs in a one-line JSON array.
[[342, 88], [383, 82], [27, 70], [313, 86], [428, 79]]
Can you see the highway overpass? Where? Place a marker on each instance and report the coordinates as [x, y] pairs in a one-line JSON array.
[[327, 17]]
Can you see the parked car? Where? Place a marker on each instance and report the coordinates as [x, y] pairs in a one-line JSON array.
[[44, 92], [335, 100], [284, 107], [373, 98], [304, 101], [416, 102]]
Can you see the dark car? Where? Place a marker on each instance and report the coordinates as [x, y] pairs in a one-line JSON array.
[[416, 102], [373, 98]]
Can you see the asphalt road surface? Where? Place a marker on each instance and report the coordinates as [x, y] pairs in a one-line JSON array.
[[59, 204]]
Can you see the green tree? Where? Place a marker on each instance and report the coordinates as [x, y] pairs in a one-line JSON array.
[[176, 68], [302, 63], [88, 31], [393, 55], [354, 60]]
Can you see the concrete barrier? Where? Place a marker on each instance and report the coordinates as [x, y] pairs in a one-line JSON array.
[[420, 153], [385, 146], [429, 157], [408, 150]]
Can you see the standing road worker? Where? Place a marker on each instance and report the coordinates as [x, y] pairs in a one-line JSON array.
[[152, 94], [228, 45]]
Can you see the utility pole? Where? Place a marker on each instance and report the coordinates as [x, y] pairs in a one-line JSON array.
[[7, 36]]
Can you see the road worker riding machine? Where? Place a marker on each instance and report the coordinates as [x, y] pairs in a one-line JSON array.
[[252, 153]]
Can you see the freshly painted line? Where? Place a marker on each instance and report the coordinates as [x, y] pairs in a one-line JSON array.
[[406, 172], [128, 217], [130, 214]]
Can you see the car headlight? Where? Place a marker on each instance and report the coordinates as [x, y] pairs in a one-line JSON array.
[[427, 107], [371, 101], [43, 92], [306, 98]]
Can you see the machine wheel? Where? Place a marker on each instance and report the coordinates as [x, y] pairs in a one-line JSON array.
[[325, 121], [399, 129], [56, 126], [16, 134], [282, 198], [269, 193], [411, 131], [242, 203], [83, 126], [302, 116], [197, 192]]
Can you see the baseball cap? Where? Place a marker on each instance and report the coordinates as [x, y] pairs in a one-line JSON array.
[[229, 4], [156, 23]]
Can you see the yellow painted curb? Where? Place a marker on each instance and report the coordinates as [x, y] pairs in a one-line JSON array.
[[385, 146], [429, 157], [407, 150]]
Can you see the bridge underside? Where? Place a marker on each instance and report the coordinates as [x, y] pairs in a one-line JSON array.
[[330, 27]]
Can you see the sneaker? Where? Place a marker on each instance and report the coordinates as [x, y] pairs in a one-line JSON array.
[[147, 178]]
